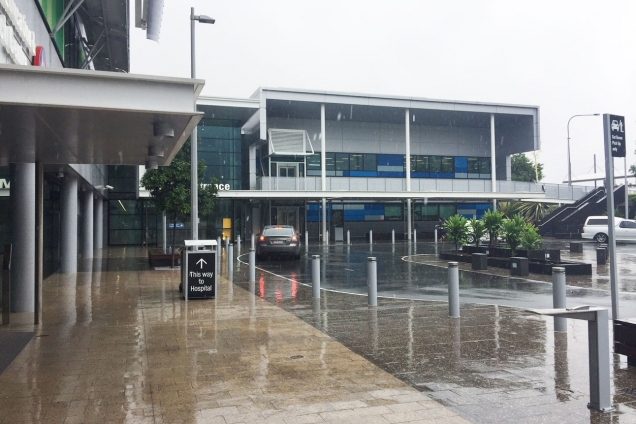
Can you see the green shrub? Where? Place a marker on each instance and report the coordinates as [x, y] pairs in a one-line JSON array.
[[492, 222], [513, 229], [530, 238], [456, 230]]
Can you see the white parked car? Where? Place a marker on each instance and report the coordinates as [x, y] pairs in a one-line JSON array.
[[595, 228]]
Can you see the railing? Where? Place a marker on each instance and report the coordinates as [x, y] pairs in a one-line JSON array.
[[552, 191]]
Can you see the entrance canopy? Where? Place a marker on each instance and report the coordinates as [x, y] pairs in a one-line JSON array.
[[69, 116]]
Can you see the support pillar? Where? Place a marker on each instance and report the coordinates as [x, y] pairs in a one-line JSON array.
[[87, 224], [68, 225], [407, 130], [98, 223], [409, 223], [493, 157], [22, 206]]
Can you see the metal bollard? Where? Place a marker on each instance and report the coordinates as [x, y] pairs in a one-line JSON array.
[[414, 236], [348, 237], [327, 238], [372, 280], [219, 253], [453, 290], [392, 236], [252, 265], [315, 276], [558, 296], [238, 242], [230, 259], [227, 242], [253, 245], [306, 241], [435, 235], [370, 236], [230, 264]]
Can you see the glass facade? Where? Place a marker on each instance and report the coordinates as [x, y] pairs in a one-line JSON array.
[[394, 166], [53, 10], [221, 148], [133, 222]]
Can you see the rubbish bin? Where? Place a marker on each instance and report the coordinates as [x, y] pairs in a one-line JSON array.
[[199, 269]]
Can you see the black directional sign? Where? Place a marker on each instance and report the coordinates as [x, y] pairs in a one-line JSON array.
[[617, 135], [201, 275]]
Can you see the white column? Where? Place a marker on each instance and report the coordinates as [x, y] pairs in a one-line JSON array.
[[87, 224], [493, 164], [252, 166], [68, 224], [407, 127], [508, 168], [323, 169], [22, 210], [98, 223], [164, 231]]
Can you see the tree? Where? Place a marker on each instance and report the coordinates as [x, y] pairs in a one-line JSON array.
[[170, 189], [456, 230], [492, 221], [524, 170]]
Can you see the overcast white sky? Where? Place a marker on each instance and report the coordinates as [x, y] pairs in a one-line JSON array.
[[567, 57]]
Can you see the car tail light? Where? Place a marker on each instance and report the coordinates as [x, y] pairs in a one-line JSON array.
[[294, 238], [262, 238]]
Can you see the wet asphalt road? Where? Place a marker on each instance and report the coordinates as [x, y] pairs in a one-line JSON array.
[[414, 272]]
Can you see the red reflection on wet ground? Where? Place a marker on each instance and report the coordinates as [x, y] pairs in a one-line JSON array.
[[279, 296], [261, 287], [294, 286]]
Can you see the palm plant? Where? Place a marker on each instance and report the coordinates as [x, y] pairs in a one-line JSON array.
[[492, 222], [512, 229], [478, 229], [530, 238], [456, 230], [532, 211]]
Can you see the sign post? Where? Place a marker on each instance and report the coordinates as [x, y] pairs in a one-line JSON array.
[[199, 269], [614, 132]]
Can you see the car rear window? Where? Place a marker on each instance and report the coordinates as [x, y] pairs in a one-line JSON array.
[[597, 221], [282, 231]]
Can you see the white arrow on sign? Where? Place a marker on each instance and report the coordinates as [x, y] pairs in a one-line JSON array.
[[201, 261]]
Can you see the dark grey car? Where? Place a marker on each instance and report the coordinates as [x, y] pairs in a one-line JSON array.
[[278, 240]]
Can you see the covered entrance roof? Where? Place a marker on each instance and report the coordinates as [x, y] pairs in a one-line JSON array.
[[69, 116]]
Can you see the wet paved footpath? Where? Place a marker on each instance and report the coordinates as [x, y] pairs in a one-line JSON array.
[[119, 345], [495, 364]]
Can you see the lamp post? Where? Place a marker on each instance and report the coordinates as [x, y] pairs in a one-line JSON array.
[[569, 162], [194, 184]]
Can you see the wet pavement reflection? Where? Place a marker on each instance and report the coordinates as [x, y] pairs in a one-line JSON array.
[[496, 363]]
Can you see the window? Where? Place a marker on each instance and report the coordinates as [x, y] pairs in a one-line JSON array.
[[422, 164], [393, 212], [426, 213], [484, 166], [435, 164], [473, 166], [370, 163], [342, 162], [313, 165], [628, 224], [446, 211], [356, 162], [448, 166], [330, 164]]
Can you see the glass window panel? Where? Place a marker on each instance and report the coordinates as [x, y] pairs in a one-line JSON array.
[[330, 161], [473, 165], [393, 212], [370, 162], [422, 164], [435, 164], [430, 212], [356, 162], [446, 211], [413, 163], [448, 164], [342, 161], [484, 165]]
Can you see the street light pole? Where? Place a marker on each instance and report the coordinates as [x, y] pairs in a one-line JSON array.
[[569, 161], [194, 176]]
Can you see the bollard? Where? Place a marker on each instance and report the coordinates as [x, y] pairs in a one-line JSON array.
[[576, 247], [558, 296], [327, 238], [348, 237], [372, 280], [227, 243], [453, 290], [252, 258], [238, 242], [435, 235], [392, 236], [306, 241], [601, 256], [370, 236], [315, 276], [414, 236], [219, 254], [253, 245], [230, 254]]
